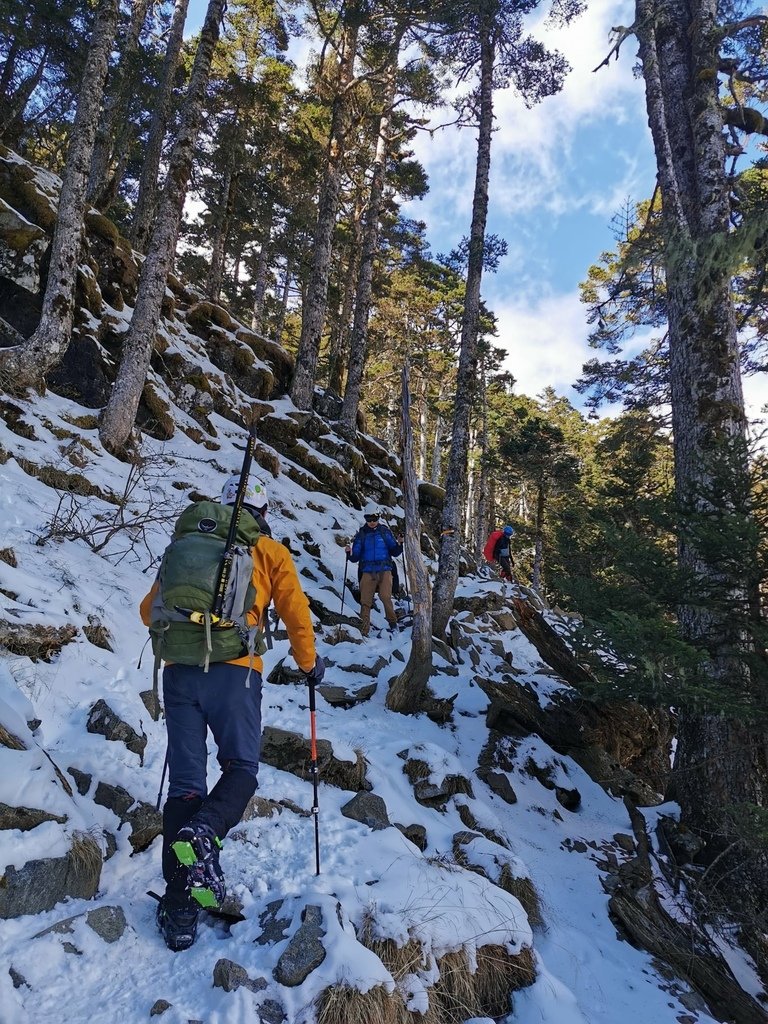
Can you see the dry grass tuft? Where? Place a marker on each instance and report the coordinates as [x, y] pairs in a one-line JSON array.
[[8, 555], [524, 891], [7, 739], [98, 634], [458, 995], [85, 859], [40, 643]]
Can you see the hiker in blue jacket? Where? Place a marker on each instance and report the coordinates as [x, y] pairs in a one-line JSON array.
[[374, 547]]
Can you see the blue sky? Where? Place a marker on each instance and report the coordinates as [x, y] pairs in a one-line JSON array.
[[559, 174]]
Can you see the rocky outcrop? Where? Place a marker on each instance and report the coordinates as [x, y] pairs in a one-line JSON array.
[[291, 752], [40, 884]]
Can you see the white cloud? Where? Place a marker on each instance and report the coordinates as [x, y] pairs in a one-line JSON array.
[[546, 341]]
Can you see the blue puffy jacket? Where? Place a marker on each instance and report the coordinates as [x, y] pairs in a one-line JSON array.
[[375, 549]]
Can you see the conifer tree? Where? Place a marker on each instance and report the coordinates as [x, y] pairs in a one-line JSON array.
[[28, 363], [488, 37], [120, 412]]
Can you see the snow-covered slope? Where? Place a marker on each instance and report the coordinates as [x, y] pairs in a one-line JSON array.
[[375, 885]]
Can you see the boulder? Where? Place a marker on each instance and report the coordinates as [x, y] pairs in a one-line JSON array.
[[231, 976], [26, 818], [369, 809], [416, 833], [341, 697], [145, 820], [109, 923], [291, 753], [305, 951], [103, 721], [40, 884], [499, 783]]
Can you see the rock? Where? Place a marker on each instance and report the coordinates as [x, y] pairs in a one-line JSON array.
[[305, 951], [17, 979], [273, 927], [82, 780], [570, 799], [145, 820], [433, 794], [108, 922], [340, 697], [26, 818], [499, 783], [416, 833], [231, 976], [624, 842], [369, 809], [103, 721], [291, 753], [23, 245], [271, 1012], [151, 701], [40, 884], [504, 619], [683, 844], [159, 1007]]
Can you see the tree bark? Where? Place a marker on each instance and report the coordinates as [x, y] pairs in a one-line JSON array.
[[339, 347], [407, 692], [481, 520], [111, 136], [313, 313], [144, 213], [119, 415], [423, 439], [455, 486], [359, 339], [538, 543], [28, 363], [437, 452], [719, 762], [220, 236], [279, 326]]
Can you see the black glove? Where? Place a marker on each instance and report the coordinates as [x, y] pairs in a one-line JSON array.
[[315, 675]]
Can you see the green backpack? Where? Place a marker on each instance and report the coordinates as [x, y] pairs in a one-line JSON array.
[[187, 582]]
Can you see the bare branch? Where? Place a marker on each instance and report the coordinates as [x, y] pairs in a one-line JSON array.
[[620, 33]]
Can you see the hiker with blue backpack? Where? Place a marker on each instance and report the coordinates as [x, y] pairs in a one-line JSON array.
[[375, 547], [208, 631]]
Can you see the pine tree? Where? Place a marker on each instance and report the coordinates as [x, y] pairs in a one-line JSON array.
[[28, 363], [120, 412]]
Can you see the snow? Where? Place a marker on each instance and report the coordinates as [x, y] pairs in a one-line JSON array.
[[377, 880]]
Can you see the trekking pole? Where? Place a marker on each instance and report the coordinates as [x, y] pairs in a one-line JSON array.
[[344, 584], [313, 771], [162, 780], [229, 546]]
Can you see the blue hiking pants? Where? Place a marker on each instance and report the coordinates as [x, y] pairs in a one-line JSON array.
[[219, 700]]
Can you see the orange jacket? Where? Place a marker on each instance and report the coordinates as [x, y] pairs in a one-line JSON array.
[[275, 579]]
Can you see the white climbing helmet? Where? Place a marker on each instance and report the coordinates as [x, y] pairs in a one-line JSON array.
[[255, 492], [371, 509]]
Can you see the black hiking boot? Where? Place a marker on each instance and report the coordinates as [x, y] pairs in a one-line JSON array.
[[197, 849], [178, 925]]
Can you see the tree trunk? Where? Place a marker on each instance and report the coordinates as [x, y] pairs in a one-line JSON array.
[[220, 236], [28, 363], [437, 451], [538, 543], [407, 692], [359, 340], [339, 348], [313, 313], [469, 506], [144, 213], [455, 486], [111, 136], [719, 762], [423, 438], [119, 415], [279, 326], [481, 521]]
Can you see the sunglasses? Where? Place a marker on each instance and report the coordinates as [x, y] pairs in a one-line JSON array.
[[370, 519]]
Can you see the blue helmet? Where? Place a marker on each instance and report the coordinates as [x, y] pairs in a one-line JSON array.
[[508, 531]]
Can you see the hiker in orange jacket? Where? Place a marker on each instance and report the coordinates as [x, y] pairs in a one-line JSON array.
[[225, 698]]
